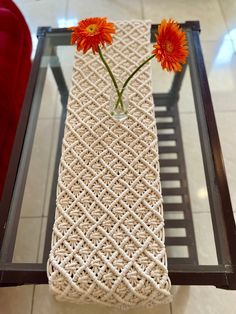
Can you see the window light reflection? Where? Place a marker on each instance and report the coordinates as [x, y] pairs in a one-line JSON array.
[[202, 193], [66, 22]]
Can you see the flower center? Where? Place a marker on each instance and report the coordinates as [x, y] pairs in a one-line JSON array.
[[169, 47], [91, 29]]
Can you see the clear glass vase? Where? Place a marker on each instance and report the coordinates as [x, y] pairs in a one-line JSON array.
[[119, 105]]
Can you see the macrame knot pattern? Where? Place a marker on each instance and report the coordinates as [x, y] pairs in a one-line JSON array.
[[108, 236]]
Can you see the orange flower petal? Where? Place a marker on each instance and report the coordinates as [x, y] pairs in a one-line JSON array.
[[171, 46], [92, 32]]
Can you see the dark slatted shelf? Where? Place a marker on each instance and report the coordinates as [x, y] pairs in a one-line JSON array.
[[177, 223], [166, 137], [165, 125], [178, 241], [175, 207], [168, 149], [171, 176], [166, 109], [170, 162], [174, 191], [181, 260]]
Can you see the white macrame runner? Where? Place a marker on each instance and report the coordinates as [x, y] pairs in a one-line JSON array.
[[108, 236]]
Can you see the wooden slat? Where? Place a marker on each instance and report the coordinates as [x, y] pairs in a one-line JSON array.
[[176, 223], [179, 260], [178, 241], [169, 110], [165, 125], [174, 207], [164, 113], [170, 176], [167, 137], [174, 191], [168, 149]]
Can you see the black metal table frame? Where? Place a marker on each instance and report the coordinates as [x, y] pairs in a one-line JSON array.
[[222, 275]]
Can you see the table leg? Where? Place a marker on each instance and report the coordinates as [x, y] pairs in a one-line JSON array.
[[59, 77], [177, 82]]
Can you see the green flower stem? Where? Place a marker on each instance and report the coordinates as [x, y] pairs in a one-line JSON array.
[[135, 71], [130, 77], [111, 75]]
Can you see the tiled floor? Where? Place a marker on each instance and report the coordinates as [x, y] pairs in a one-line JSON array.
[[218, 22]]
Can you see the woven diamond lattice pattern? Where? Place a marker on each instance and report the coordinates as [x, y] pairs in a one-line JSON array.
[[108, 236]]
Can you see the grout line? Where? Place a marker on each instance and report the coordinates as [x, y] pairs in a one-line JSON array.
[[50, 161], [47, 118], [171, 309], [46, 186], [32, 217], [142, 9], [226, 24], [66, 9], [210, 41], [202, 212], [54, 120], [32, 300], [215, 111], [223, 14], [225, 111], [39, 242]]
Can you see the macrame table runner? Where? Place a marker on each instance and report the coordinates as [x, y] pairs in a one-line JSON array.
[[108, 235]]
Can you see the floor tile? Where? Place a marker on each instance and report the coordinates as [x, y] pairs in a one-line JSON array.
[[229, 12], [42, 239], [204, 236], [193, 157], [44, 303], [66, 58], [203, 300], [120, 9], [51, 167], [27, 240], [20, 2], [66, 55], [161, 80], [49, 96], [36, 183], [227, 130], [16, 300], [207, 12], [43, 13], [159, 309], [177, 251], [194, 163], [220, 61], [186, 101]]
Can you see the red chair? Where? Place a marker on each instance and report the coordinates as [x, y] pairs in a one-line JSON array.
[[15, 65]]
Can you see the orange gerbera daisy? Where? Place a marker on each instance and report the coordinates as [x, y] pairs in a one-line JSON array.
[[171, 46], [91, 32]]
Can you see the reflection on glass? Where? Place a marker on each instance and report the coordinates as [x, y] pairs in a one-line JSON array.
[[66, 22], [225, 53], [202, 193]]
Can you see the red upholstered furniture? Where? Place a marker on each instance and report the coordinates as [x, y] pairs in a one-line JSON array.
[[15, 64]]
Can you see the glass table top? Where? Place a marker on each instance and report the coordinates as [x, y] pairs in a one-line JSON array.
[[195, 228]]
